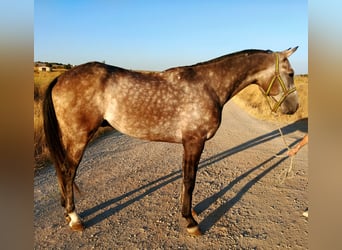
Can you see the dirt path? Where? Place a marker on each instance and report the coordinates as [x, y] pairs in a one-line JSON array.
[[131, 193]]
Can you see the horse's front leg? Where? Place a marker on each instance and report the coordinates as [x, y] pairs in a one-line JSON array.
[[192, 153]]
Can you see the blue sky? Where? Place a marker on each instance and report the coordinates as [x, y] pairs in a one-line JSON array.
[[156, 35]]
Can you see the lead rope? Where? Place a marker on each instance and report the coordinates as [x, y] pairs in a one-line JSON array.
[[285, 173]]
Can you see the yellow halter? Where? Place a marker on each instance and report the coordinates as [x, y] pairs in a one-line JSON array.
[[286, 91]]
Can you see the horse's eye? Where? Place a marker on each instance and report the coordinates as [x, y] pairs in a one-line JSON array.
[[291, 74]]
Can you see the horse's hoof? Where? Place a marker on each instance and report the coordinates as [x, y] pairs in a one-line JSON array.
[[194, 231], [74, 222], [76, 226]]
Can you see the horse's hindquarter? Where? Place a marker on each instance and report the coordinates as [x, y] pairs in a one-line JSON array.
[[78, 99], [150, 106]]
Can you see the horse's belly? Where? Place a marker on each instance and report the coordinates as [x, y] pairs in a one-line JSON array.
[[146, 127]]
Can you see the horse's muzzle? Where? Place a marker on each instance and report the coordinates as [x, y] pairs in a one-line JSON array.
[[290, 105], [291, 111]]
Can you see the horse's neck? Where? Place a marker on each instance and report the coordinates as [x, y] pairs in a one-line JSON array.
[[233, 78]]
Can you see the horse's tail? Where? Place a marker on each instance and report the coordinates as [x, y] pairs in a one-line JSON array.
[[51, 128], [54, 137]]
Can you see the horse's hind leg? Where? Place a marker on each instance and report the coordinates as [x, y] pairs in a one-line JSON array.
[[71, 216], [66, 176], [65, 181], [192, 153]]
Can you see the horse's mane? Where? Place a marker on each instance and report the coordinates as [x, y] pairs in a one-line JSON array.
[[235, 54], [231, 55]]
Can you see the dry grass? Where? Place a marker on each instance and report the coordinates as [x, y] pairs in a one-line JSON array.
[[41, 153], [252, 100], [41, 81]]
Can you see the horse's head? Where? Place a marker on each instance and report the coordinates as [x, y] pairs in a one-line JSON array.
[[278, 84]]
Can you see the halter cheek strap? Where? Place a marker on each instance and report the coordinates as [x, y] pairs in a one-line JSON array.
[[286, 91]]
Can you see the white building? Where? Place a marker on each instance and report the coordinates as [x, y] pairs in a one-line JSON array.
[[44, 69]]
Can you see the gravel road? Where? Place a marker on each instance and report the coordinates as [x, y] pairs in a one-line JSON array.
[[130, 192]]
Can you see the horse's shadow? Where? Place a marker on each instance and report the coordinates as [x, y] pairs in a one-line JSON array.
[[214, 216]]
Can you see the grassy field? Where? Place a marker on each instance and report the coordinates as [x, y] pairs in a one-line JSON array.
[[250, 99]]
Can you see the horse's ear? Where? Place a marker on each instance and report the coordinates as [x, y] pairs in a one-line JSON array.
[[289, 51]]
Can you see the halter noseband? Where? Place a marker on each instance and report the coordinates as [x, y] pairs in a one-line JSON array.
[[286, 91]]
